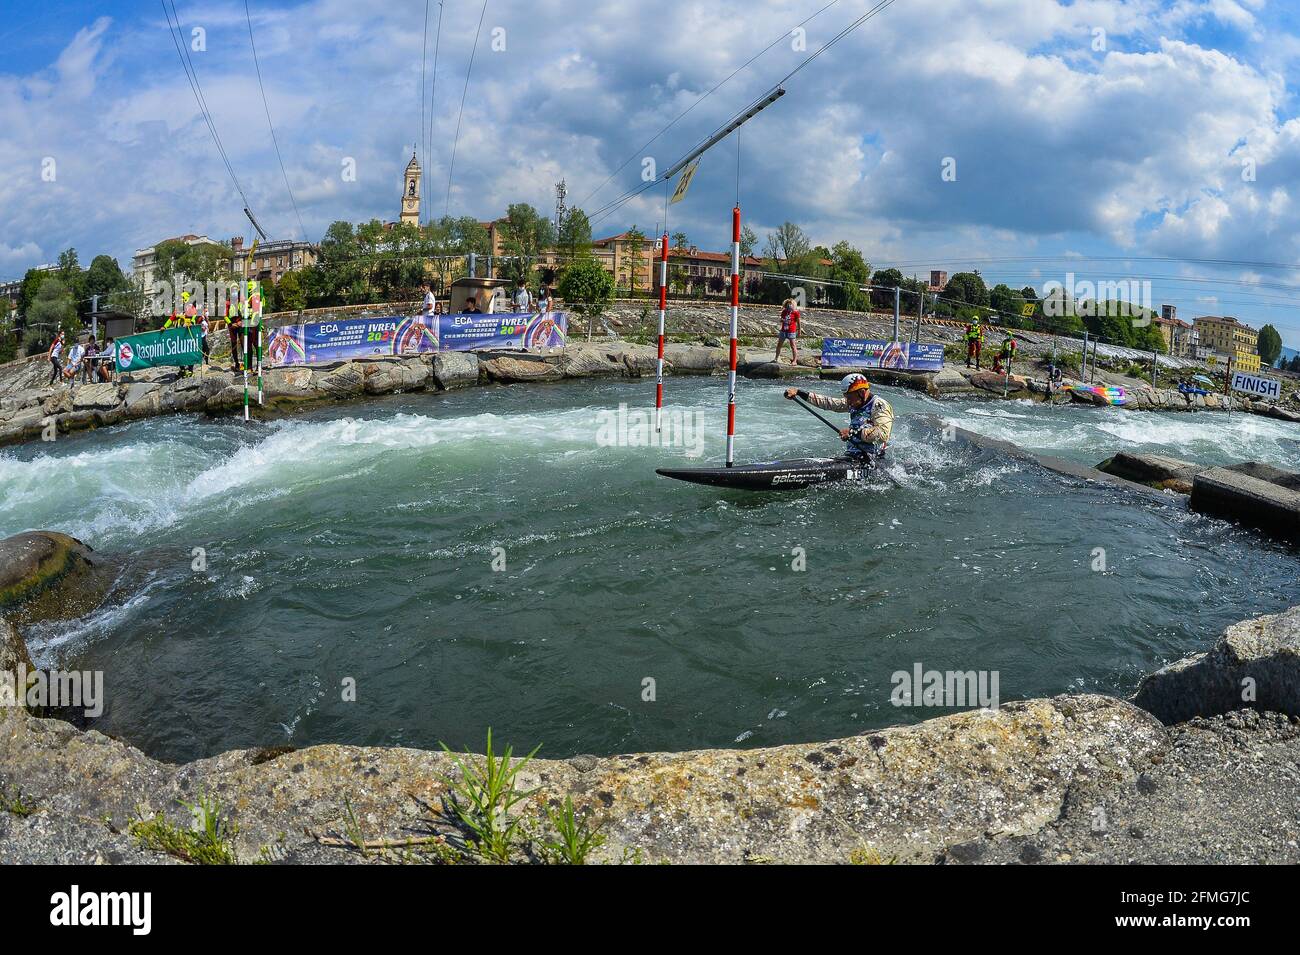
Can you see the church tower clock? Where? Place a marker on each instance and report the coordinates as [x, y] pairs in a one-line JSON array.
[[411, 193]]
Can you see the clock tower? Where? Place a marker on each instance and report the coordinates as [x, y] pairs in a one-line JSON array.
[[411, 193]]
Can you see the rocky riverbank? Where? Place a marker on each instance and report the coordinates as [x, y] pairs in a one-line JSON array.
[[30, 410], [1080, 778]]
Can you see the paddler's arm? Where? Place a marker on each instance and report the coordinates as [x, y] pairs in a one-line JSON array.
[[818, 401]]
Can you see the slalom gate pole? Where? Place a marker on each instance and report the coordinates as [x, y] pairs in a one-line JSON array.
[[663, 308], [243, 344], [735, 325]]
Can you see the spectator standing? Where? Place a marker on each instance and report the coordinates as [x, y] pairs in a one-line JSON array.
[[88, 362], [203, 333], [789, 330], [523, 301], [56, 358], [235, 326], [429, 301]]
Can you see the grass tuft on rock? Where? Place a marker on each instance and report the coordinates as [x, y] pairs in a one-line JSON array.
[[209, 840], [484, 795]]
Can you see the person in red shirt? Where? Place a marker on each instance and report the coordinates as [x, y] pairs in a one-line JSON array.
[[789, 330]]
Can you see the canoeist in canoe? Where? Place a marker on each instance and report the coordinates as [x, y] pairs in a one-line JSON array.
[[871, 418]]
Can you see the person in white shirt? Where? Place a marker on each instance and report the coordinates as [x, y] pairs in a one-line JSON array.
[[56, 358], [523, 301], [75, 355], [429, 301]]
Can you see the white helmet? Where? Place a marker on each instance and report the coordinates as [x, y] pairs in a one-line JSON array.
[[848, 381]]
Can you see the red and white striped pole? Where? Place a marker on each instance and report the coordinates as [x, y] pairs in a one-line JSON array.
[[663, 308], [735, 324]]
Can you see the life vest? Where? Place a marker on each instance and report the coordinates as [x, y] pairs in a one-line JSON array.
[[1009, 347], [859, 419]]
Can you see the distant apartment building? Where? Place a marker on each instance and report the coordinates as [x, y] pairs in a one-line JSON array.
[[270, 260], [938, 279], [144, 263], [1228, 338], [1181, 339], [11, 291]]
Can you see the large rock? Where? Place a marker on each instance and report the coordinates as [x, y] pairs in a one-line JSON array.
[[696, 359], [948, 382], [1255, 664], [908, 792], [772, 369], [13, 650], [389, 376], [1253, 494], [45, 575], [1154, 470], [292, 382], [594, 360], [345, 381], [455, 370], [993, 382], [102, 395], [519, 367]]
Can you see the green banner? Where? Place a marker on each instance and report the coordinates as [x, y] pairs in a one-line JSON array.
[[172, 346]]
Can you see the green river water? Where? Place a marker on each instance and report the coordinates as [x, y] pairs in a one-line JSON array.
[[358, 542]]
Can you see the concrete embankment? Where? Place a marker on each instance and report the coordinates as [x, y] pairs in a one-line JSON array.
[[31, 410], [1081, 778]]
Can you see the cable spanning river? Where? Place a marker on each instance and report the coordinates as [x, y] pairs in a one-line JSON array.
[[360, 542]]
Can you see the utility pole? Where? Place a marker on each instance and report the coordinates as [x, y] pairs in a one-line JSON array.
[[895, 313], [94, 317]]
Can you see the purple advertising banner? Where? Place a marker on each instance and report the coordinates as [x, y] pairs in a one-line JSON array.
[[863, 353], [321, 342]]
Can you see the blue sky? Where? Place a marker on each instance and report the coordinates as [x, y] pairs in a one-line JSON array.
[[1108, 139]]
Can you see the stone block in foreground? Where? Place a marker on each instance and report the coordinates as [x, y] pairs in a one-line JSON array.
[[1154, 470], [904, 793], [1253, 494], [1260, 655]]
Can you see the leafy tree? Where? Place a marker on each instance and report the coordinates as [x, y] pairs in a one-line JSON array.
[[574, 240], [848, 267], [634, 257], [53, 309], [104, 277], [289, 294], [882, 295], [748, 242], [790, 249], [32, 282], [525, 233], [8, 342], [586, 287], [966, 289], [1269, 346], [680, 242]]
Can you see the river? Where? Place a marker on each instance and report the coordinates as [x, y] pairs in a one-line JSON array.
[[489, 558]]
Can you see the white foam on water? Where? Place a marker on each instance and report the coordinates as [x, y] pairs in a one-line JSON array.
[[49, 643]]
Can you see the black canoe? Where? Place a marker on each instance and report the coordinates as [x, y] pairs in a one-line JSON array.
[[791, 475]]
